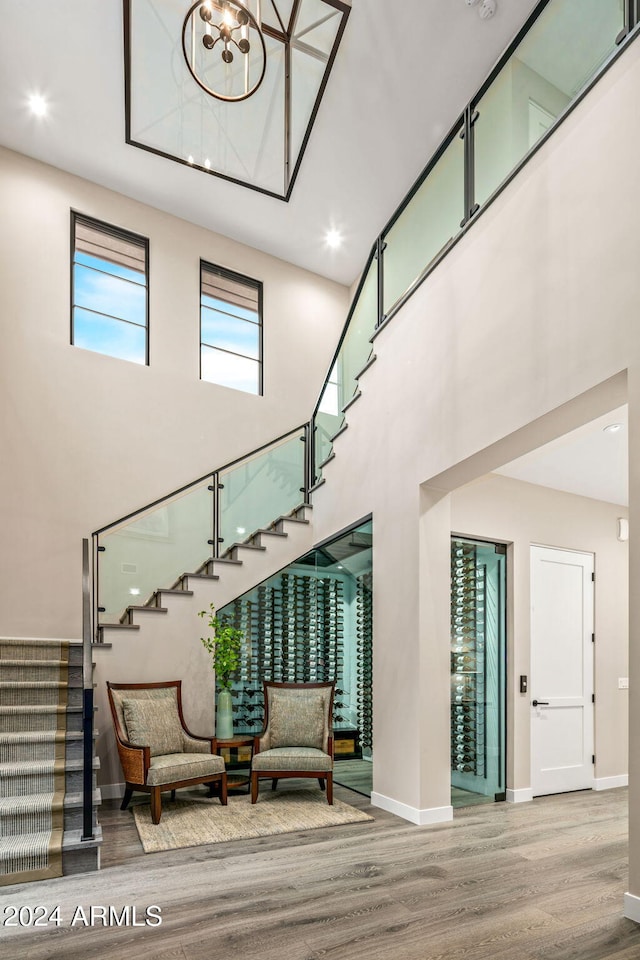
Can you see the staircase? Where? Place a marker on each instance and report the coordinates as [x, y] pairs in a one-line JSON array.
[[219, 581], [41, 762]]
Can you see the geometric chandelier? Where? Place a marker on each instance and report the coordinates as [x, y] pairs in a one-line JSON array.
[[217, 39], [230, 88]]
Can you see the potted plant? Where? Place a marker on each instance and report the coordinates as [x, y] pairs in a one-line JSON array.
[[225, 648]]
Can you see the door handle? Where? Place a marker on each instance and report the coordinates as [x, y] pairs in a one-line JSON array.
[[540, 703]]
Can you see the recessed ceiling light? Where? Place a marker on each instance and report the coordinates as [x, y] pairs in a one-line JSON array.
[[189, 159], [207, 163], [38, 105], [241, 530], [613, 428], [134, 591], [333, 238]]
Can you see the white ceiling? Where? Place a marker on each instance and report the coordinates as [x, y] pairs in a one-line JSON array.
[[402, 75], [590, 461]]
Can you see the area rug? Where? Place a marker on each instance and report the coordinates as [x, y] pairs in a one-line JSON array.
[[189, 823]]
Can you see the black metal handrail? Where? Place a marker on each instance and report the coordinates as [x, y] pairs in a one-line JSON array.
[[215, 485], [87, 700], [194, 483]]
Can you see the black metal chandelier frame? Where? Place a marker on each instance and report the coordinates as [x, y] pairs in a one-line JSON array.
[[228, 25]]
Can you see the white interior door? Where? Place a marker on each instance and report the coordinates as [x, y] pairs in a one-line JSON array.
[[561, 670]]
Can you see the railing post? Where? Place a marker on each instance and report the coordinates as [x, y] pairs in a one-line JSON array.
[[309, 460], [87, 700], [94, 594], [379, 256], [217, 539], [467, 135], [630, 20]]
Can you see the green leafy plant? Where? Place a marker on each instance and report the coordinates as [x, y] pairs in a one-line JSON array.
[[224, 646]]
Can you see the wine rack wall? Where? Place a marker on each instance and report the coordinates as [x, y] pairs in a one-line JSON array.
[[295, 632], [364, 669], [468, 661]]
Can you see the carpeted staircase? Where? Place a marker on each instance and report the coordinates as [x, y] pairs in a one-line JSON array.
[[41, 762]]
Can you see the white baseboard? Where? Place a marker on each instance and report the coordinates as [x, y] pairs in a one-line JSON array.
[[112, 791], [412, 814], [523, 795], [610, 783], [631, 907]]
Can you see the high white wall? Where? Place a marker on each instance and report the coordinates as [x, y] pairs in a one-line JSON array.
[[527, 329], [520, 514], [85, 438]]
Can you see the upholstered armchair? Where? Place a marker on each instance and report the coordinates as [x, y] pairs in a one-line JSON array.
[[156, 750], [297, 739]]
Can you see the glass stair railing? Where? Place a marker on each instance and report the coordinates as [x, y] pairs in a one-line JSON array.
[[557, 56], [199, 523], [559, 53]]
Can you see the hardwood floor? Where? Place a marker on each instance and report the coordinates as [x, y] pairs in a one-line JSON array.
[[502, 881], [355, 774]]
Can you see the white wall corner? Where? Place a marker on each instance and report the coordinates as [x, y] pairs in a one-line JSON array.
[[414, 815], [523, 795], [631, 907], [610, 783]]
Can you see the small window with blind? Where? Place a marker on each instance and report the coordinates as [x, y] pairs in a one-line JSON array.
[[230, 329], [109, 290]]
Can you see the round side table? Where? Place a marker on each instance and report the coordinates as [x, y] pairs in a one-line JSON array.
[[236, 781]]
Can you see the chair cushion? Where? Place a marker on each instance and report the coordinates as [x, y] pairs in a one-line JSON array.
[[292, 758], [183, 766], [155, 724], [296, 721]]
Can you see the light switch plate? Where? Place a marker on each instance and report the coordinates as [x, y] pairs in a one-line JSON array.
[[623, 683]]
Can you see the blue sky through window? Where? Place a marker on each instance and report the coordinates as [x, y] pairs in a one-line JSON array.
[[110, 308], [230, 332]]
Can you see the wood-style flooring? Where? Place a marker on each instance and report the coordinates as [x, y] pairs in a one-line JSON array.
[[355, 774], [527, 881]]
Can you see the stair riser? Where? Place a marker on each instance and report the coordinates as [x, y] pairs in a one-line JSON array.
[[25, 784], [38, 651], [73, 818], [45, 672], [39, 696], [81, 861], [17, 752], [9, 864], [14, 824], [22, 722]]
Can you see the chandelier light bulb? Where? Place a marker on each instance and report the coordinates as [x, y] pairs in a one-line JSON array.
[[227, 26]]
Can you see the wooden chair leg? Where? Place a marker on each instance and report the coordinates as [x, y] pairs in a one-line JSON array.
[[254, 788], [156, 805], [274, 783], [330, 788], [128, 793], [223, 789], [321, 782]]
